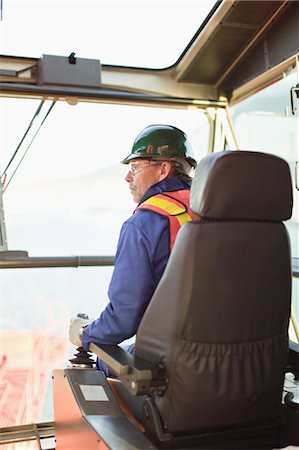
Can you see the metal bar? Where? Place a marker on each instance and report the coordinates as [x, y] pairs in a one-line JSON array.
[[21, 433], [63, 93], [231, 129], [3, 236], [211, 116], [265, 79], [37, 436], [19, 260], [54, 261], [294, 323], [8, 73], [295, 267]]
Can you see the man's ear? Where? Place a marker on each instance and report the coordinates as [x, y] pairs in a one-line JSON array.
[[165, 169]]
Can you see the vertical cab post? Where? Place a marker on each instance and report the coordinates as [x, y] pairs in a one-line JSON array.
[[3, 237]]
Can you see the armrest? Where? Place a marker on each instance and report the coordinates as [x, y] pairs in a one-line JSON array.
[[293, 360], [114, 356], [139, 376]]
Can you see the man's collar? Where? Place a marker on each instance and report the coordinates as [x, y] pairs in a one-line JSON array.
[[168, 185]]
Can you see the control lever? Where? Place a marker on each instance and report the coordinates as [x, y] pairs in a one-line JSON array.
[[82, 358], [83, 316]]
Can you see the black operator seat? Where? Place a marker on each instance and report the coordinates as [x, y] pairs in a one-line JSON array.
[[218, 321]]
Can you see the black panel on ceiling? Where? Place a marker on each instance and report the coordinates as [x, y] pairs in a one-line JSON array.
[[277, 45], [210, 64], [252, 12], [233, 34]]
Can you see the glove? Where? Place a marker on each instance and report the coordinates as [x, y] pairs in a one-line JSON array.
[[76, 329]]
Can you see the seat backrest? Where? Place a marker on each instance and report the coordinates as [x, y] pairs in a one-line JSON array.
[[218, 320]]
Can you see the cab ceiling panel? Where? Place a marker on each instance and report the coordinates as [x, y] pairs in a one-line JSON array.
[[237, 31], [278, 44], [211, 62]]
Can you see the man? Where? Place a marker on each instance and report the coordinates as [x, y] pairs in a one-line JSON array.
[[160, 163]]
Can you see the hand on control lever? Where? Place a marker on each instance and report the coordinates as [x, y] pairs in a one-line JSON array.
[[76, 328]]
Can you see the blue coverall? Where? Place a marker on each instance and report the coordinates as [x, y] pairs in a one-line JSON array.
[[142, 253]]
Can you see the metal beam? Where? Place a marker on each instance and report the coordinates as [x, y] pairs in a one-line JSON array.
[[25, 433], [3, 237], [73, 95], [21, 260], [21, 71]]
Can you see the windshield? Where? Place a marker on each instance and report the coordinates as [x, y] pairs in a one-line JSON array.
[[68, 197], [142, 33]]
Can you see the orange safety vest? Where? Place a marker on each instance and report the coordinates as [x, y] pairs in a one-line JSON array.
[[174, 205]]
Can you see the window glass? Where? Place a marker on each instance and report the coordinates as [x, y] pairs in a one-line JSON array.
[[265, 122], [132, 33], [68, 197], [293, 329]]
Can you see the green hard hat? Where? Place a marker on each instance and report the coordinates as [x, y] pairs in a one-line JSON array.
[[158, 141]]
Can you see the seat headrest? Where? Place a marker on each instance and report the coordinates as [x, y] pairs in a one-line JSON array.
[[242, 185]]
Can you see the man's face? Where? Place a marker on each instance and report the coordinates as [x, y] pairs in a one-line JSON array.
[[142, 175]]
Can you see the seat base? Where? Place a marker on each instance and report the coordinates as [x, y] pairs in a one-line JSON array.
[[257, 436]]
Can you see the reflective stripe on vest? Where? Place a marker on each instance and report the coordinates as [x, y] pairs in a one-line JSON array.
[[174, 205]]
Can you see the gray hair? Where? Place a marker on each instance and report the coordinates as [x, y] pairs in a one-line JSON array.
[[181, 168]]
